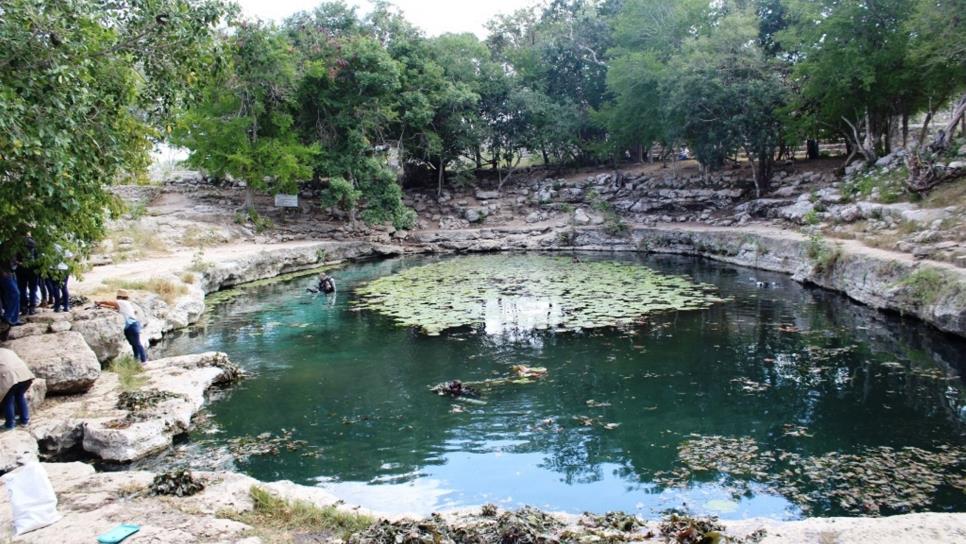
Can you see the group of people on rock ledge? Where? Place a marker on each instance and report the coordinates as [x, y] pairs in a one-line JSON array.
[[26, 284]]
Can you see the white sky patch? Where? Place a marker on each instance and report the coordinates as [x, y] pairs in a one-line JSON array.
[[434, 16]]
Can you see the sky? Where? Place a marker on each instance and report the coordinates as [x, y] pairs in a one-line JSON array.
[[434, 16]]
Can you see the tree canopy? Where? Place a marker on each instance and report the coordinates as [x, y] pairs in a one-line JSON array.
[[86, 86]]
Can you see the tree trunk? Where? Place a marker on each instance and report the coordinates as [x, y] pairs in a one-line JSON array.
[[865, 146], [811, 149], [905, 130], [887, 137], [546, 158], [441, 176], [249, 199], [479, 159]]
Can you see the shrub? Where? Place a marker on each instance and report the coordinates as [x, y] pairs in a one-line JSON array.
[[822, 254], [924, 285]]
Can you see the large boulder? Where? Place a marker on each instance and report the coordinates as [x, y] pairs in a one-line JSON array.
[[103, 330], [63, 359]]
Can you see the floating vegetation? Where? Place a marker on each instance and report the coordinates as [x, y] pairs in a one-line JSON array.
[[138, 401], [531, 526], [524, 526], [454, 389], [612, 520], [179, 483], [796, 431], [244, 447], [529, 292], [690, 530], [750, 386], [877, 481], [820, 353]]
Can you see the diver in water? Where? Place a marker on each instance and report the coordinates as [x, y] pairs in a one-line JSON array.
[[326, 286]]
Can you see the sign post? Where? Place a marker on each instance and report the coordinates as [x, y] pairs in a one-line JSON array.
[[286, 201]]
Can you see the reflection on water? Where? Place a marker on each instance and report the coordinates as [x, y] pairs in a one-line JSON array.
[[355, 388]]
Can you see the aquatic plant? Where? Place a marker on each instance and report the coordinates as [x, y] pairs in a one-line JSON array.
[[529, 292], [180, 483]]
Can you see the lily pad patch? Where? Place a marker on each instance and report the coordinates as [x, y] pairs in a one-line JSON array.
[[527, 292]]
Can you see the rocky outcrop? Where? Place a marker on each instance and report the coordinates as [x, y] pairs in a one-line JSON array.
[[103, 330], [63, 359], [272, 262], [162, 409]]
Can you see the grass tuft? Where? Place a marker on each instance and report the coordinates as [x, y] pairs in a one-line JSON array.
[[924, 285], [283, 521], [130, 373], [168, 290]]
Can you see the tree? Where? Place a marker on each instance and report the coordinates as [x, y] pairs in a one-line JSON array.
[[85, 87], [242, 125], [346, 106], [648, 34], [851, 67]]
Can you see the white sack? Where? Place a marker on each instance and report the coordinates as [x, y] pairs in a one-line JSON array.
[[31, 498]]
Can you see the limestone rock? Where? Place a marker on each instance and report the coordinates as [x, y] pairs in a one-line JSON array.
[[17, 448], [94, 423], [581, 217], [37, 393], [487, 195], [28, 329], [103, 330], [476, 215], [63, 359], [854, 168], [796, 212]]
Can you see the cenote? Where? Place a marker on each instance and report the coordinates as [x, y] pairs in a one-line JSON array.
[[780, 401]]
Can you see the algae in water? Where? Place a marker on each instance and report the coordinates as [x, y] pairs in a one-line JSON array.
[[519, 292]]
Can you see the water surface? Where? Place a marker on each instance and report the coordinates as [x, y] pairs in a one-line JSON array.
[[354, 387]]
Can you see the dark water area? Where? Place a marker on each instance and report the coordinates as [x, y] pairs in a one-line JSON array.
[[794, 369]]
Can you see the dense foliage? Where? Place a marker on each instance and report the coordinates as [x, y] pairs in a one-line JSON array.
[[361, 104], [85, 87]]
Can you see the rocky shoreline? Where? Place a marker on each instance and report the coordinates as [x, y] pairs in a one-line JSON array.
[[93, 422]]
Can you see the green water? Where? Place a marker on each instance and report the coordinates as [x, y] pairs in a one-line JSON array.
[[354, 387]]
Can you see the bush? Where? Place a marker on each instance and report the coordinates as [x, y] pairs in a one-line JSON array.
[[822, 254], [924, 285], [341, 194]]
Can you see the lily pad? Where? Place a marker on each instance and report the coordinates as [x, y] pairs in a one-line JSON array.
[[527, 292]]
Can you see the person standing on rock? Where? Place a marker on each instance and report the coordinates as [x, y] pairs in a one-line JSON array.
[[15, 380], [132, 327], [57, 281], [10, 292], [27, 276]]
